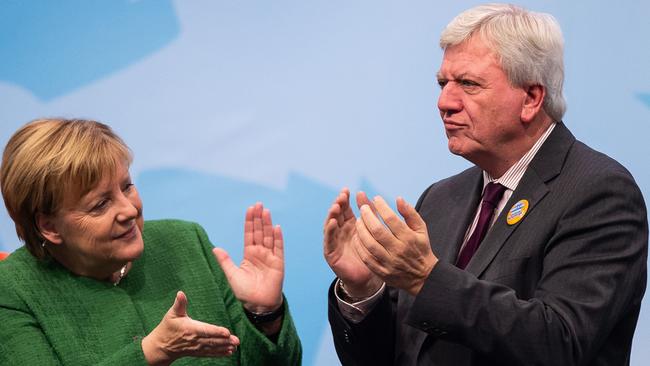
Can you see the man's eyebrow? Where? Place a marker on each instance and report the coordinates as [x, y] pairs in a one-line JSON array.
[[456, 77], [465, 75]]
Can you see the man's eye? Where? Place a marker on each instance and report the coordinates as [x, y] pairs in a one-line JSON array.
[[469, 83], [442, 83], [127, 187]]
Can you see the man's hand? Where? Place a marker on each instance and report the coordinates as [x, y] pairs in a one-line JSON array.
[[178, 335], [398, 252], [257, 282], [339, 241]]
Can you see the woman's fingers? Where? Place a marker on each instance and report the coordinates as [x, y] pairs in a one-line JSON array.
[[248, 227], [267, 227], [278, 241], [214, 340], [204, 330], [178, 335], [258, 231], [179, 308]]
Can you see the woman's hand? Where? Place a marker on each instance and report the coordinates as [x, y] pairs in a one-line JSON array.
[[178, 335], [257, 282]]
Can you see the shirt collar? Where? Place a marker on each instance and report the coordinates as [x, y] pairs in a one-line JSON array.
[[510, 179]]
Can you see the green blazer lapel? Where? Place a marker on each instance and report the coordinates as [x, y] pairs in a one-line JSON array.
[[545, 166]]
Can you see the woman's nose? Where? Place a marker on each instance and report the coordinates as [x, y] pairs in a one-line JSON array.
[[128, 209]]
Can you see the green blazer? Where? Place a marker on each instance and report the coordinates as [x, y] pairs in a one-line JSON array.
[[49, 316]]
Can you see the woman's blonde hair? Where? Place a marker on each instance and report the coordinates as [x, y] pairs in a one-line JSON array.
[[49, 159]]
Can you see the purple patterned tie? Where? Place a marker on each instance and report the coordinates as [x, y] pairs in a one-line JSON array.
[[491, 197]]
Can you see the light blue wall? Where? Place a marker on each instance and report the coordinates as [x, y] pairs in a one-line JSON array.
[[227, 103]]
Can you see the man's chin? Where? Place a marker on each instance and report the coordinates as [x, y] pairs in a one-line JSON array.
[[454, 146]]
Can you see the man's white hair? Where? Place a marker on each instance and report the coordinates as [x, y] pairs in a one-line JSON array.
[[529, 46]]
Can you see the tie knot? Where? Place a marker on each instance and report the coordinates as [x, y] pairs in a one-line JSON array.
[[493, 193]]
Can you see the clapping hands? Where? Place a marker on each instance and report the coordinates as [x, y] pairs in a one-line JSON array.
[[257, 281], [378, 246]]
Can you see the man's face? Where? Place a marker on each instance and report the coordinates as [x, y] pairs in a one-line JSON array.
[[480, 109]]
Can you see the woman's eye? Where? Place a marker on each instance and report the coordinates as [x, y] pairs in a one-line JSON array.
[[100, 206], [128, 187]]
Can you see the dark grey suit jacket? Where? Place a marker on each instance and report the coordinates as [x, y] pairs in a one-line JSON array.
[[563, 286]]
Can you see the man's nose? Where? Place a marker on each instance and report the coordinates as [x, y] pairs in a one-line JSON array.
[[449, 101]]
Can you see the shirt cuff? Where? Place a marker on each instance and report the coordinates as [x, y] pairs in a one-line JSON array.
[[357, 311]]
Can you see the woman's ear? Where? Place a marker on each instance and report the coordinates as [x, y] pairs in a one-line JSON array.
[[47, 226], [533, 103]]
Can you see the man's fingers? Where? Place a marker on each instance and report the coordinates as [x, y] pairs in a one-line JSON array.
[[373, 255], [334, 212], [376, 228], [340, 209], [410, 215], [344, 201], [393, 222], [329, 244], [369, 239], [362, 199]]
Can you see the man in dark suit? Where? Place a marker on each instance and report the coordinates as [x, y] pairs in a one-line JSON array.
[[535, 256]]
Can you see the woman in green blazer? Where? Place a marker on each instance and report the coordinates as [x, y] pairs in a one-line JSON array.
[[95, 284]]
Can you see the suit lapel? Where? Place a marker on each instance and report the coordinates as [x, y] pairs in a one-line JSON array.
[[545, 166], [532, 189], [459, 217]]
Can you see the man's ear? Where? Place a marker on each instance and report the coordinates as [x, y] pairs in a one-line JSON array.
[[47, 227], [533, 102]]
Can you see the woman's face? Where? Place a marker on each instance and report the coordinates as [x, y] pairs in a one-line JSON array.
[[100, 232]]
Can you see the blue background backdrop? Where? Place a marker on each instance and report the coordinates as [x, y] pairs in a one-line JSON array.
[[226, 103]]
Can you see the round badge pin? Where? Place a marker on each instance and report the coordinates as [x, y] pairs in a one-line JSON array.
[[517, 212]]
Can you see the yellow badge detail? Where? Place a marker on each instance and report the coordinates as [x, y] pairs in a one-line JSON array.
[[517, 212]]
